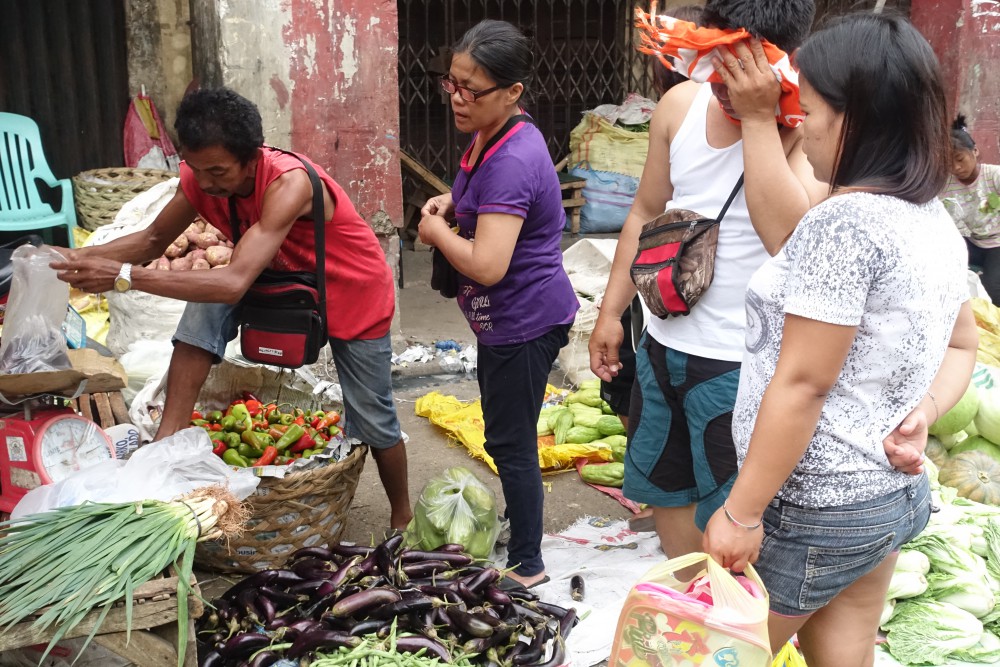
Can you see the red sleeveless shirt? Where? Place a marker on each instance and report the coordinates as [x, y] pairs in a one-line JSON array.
[[359, 291]]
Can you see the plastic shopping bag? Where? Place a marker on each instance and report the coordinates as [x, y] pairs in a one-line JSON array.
[[455, 508], [716, 619], [789, 656]]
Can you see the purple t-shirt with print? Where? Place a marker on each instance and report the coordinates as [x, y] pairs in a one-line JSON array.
[[516, 177]]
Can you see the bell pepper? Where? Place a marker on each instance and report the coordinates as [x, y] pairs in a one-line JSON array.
[[215, 416], [248, 452], [265, 438], [292, 435], [254, 407], [300, 420], [196, 415], [267, 458], [253, 438], [242, 416], [220, 448], [233, 458], [273, 417], [232, 439], [304, 443]]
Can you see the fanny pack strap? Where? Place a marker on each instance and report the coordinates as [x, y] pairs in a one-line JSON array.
[[732, 196], [318, 222]]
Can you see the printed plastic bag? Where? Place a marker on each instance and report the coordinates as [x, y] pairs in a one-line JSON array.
[[717, 618], [162, 470], [455, 508], [789, 656]]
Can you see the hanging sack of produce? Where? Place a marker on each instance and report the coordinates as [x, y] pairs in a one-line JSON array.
[[717, 618], [675, 262], [283, 314]]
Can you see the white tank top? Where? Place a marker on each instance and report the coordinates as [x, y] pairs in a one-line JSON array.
[[703, 178]]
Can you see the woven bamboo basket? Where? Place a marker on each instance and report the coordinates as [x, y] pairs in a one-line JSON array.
[[100, 193], [303, 509]]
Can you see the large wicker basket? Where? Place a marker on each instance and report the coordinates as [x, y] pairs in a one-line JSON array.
[[100, 193], [303, 509]]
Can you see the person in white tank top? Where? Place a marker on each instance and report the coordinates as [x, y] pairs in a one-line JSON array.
[[681, 459]]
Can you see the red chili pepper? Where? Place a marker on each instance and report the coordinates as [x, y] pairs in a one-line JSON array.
[[301, 421], [277, 431], [267, 458], [327, 421], [304, 443], [196, 415], [260, 425], [315, 422], [220, 448], [215, 427], [254, 407]]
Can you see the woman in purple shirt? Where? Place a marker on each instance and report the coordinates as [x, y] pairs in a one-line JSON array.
[[507, 206]]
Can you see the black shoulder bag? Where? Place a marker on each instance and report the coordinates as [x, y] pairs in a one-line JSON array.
[[444, 276], [283, 314]]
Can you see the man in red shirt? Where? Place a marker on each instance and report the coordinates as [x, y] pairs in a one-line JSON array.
[[222, 144]]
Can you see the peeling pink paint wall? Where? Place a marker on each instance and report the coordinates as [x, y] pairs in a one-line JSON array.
[[966, 36], [344, 97]]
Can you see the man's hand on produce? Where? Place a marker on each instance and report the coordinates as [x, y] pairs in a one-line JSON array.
[[93, 275]]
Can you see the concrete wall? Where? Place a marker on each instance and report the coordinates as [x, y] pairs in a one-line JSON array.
[[966, 36]]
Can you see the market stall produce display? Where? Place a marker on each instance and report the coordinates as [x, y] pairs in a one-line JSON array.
[[96, 554], [201, 246], [339, 604]]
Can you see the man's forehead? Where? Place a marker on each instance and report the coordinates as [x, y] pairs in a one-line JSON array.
[[208, 157]]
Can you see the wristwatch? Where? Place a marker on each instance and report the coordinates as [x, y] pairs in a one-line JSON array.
[[123, 282]]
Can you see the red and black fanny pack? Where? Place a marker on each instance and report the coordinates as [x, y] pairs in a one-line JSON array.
[[283, 314]]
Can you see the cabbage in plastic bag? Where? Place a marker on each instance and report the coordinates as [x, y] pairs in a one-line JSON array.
[[455, 508]]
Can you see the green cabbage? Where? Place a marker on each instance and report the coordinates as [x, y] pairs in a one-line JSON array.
[[906, 584], [966, 591], [959, 416], [924, 632]]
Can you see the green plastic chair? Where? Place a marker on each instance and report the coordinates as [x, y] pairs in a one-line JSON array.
[[22, 161]]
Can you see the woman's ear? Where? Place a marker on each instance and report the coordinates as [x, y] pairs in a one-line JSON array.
[[514, 93]]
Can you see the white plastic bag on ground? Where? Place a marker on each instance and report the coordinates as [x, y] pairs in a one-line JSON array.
[[162, 470], [143, 360]]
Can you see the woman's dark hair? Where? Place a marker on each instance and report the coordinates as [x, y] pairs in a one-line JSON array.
[[664, 79], [784, 23], [961, 140], [501, 50], [883, 76], [220, 117]]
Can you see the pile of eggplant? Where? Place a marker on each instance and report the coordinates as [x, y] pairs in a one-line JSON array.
[[440, 603]]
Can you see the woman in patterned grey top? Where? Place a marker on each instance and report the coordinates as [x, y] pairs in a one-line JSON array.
[[859, 334]]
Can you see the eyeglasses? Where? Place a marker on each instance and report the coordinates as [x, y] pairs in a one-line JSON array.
[[450, 86]]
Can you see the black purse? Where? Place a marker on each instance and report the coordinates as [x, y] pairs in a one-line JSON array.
[[444, 276], [283, 314]]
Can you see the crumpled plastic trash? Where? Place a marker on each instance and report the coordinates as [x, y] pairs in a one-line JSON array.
[[414, 353]]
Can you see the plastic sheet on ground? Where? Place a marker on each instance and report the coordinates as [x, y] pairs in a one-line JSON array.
[[610, 558], [463, 420]]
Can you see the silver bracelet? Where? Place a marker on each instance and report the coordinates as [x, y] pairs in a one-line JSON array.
[[937, 410], [740, 524]]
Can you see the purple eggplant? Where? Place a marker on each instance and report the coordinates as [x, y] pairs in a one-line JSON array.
[[451, 548], [305, 625], [309, 642], [244, 645], [469, 624], [553, 610], [468, 597], [487, 577], [447, 594], [412, 644], [279, 597], [456, 559], [350, 550], [285, 578], [266, 611], [321, 553], [496, 596], [212, 659], [348, 571], [533, 653], [363, 628], [307, 588], [385, 561], [425, 568], [387, 611], [393, 544], [359, 603], [567, 623], [262, 578], [524, 596], [558, 654], [265, 659]]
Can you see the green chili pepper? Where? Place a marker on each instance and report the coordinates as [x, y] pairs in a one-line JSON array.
[[233, 458], [290, 437], [199, 422], [253, 438], [242, 415], [228, 423], [286, 418], [307, 453], [232, 439], [274, 417], [248, 452], [215, 416]]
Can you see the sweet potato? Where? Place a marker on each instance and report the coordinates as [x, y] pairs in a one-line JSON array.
[[206, 240], [191, 233], [200, 264], [199, 224], [162, 264], [210, 229], [218, 255], [196, 254], [181, 264]]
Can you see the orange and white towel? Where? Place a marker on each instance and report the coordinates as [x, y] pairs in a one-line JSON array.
[[684, 47]]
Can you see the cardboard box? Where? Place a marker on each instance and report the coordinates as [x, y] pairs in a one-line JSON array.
[[100, 373]]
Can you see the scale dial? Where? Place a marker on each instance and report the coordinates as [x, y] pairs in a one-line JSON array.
[[67, 443]]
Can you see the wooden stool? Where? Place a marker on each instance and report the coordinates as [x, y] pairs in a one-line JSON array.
[[573, 201]]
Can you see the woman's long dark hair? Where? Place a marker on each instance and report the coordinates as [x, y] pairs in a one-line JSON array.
[[884, 77]]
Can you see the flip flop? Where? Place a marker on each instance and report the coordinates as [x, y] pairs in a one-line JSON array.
[[509, 584]]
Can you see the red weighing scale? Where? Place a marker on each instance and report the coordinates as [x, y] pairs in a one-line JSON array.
[[43, 442]]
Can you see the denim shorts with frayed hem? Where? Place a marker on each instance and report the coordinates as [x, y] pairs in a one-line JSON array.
[[364, 370], [810, 555]]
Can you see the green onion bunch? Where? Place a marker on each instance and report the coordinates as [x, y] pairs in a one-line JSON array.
[[97, 554]]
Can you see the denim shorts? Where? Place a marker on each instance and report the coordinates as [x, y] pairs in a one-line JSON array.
[[809, 555], [364, 370]]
